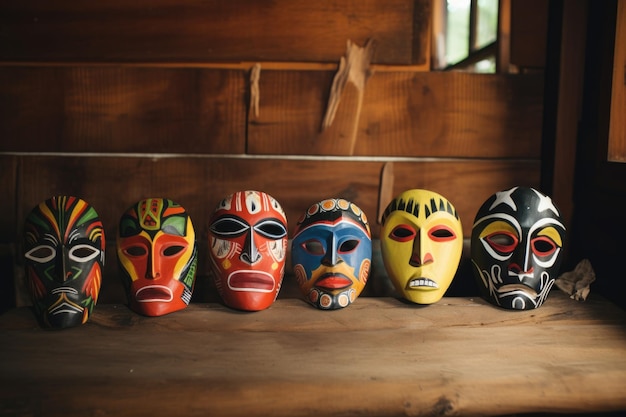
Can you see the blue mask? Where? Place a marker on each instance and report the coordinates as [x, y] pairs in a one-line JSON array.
[[331, 253]]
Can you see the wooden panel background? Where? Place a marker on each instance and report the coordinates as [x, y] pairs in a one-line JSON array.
[[209, 31], [404, 114], [183, 110], [115, 102], [121, 109]]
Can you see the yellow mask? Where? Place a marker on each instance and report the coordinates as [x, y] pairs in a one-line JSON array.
[[421, 242]]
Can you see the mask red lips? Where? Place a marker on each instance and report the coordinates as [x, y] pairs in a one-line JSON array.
[[154, 293], [333, 281], [251, 281]]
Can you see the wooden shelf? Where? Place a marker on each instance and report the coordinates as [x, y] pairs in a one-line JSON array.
[[379, 356]]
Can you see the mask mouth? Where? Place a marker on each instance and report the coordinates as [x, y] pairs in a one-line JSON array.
[[511, 288], [333, 282], [64, 305], [422, 284], [254, 281], [154, 293], [65, 308]]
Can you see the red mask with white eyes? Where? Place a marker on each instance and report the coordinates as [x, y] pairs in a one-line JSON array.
[[421, 243], [248, 242], [516, 245]]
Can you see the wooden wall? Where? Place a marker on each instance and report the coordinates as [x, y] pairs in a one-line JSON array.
[[600, 176], [115, 101]]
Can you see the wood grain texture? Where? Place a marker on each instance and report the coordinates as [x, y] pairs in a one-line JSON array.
[[569, 107], [529, 28], [378, 357], [404, 113], [8, 188], [120, 109], [617, 126], [112, 184], [209, 31], [195, 110]]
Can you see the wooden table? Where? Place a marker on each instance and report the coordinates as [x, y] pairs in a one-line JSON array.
[[379, 356]]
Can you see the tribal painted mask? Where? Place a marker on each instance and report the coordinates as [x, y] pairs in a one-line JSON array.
[[157, 253], [332, 253], [421, 244], [64, 255], [516, 245], [248, 242]]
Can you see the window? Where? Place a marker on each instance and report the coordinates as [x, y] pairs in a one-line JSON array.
[[466, 35]]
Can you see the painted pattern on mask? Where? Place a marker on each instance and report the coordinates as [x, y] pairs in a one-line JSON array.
[[331, 253], [421, 244], [64, 255], [157, 252], [248, 245], [516, 245]]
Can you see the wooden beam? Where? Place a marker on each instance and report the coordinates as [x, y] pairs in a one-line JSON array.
[[569, 107], [197, 31], [617, 129]]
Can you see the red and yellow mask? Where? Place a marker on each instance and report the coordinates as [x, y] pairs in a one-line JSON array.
[[157, 252]]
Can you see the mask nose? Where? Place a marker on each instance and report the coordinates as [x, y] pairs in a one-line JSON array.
[[63, 274], [250, 253], [521, 261], [420, 255], [330, 257], [152, 269]]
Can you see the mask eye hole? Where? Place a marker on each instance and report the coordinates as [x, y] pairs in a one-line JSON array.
[[543, 246], [83, 253], [271, 229], [136, 251], [173, 250], [229, 227], [41, 254], [503, 242], [441, 233], [348, 246], [314, 247], [403, 233]]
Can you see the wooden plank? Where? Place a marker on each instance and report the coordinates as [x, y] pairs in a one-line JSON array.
[[112, 184], [598, 182], [422, 33], [568, 106], [120, 109], [196, 110], [8, 230], [209, 31], [503, 55], [404, 113], [529, 28], [8, 189], [617, 127], [378, 357]]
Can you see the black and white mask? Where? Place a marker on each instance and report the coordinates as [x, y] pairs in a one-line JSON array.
[[516, 244]]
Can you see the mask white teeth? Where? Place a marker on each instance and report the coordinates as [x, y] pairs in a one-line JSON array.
[[423, 282]]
